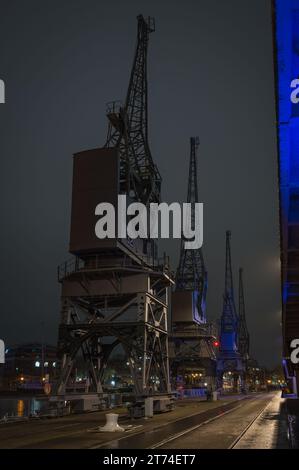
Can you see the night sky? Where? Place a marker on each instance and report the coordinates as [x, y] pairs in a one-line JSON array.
[[210, 74]]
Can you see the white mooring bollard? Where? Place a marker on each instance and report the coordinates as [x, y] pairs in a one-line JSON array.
[[111, 424]]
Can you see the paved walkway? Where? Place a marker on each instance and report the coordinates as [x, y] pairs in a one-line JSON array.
[[269, 431], [79, 431], [221, 433]]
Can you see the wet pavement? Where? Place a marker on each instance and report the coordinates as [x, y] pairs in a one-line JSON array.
[[81, 431], [223, 433], [269, 431], [150, 438], [213, 425]]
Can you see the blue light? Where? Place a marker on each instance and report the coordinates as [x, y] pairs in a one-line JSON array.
[[287, 43], [287, 70]]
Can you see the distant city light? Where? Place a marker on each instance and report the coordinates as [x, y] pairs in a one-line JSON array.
[[113, 383], [37, 364], [46, 364]]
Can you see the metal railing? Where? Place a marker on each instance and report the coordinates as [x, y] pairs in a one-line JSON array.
[[97, 261]]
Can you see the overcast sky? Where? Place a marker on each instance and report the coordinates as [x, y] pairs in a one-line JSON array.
[[210, 74]]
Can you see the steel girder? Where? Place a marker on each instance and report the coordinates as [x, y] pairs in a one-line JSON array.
[[137, 321]]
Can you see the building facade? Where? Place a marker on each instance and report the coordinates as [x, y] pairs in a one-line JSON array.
[[286, 56]]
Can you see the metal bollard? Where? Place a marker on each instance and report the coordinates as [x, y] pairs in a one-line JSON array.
[[111, 424]]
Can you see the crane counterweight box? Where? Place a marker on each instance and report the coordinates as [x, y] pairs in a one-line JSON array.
[[95, 180]]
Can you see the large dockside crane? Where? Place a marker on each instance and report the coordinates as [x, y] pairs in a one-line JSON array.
[[191, 272], [230, 364], [243, 342], [192, 351], [115, 291]]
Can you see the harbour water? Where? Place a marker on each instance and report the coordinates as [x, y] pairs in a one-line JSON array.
[[21, 407]]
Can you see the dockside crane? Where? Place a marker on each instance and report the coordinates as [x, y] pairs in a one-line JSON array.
[[229, 360], [115, 291], [243, 331], [191, 272], [193, 339]]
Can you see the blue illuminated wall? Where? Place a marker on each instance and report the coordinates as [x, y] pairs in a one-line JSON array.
[[286, 15]]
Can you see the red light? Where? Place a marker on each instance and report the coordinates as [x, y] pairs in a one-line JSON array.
[[216, 344]]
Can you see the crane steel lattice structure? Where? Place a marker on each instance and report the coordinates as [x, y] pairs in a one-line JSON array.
[[229, 358], [192, 337], [243, 331], [115, 292], [191, 273], [128, 127]]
